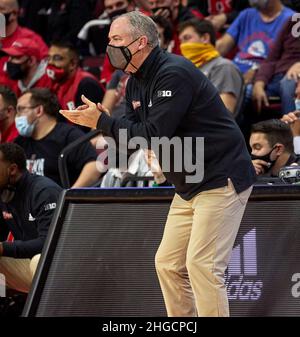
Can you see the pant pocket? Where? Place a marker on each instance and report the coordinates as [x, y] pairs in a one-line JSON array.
[[243, 196]]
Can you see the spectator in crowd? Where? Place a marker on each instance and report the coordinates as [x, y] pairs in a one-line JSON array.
[[198, 40], [14, 32], [175, 13], [33, 14], [143, 5], [8, 103], [292, 119], [254, 32], [165, 32], [116, 8], [279, 73], [25, 66], [67, 17], [219, 12], [95, 33], [27, 206], [114, 98], [271, 142], [43, 138], [70, 81]]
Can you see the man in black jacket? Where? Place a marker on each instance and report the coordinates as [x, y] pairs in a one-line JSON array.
[[169, 99], [27, 205]]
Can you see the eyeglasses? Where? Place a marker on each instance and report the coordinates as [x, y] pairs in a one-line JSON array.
[[55, 58], [20, 109]]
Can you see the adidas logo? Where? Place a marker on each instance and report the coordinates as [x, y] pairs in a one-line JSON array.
[[2, 286], [296, 287], [241, 278]]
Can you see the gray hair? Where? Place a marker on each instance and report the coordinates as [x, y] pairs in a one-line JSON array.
[[13, 4], [142, 25]]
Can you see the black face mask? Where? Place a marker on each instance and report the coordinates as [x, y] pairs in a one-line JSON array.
[[155, 10], [7, 16], [113, 15], [265, 158], [15, 71]]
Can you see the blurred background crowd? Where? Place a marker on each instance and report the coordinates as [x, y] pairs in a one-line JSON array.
[[54, 51]]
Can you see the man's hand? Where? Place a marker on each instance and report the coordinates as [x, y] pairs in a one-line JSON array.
[[218, 21], [152, 162], [260, 166], [165, 13], [294, 72], [154, 166], [260, 96], [85, 115], [292, 118]]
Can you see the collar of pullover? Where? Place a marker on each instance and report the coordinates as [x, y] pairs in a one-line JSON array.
[[146, 69]]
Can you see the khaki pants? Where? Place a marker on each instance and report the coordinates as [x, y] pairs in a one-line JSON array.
[[19, 272], [195, 251]]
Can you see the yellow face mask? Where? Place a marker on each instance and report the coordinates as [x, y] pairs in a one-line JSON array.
[[198, 53]]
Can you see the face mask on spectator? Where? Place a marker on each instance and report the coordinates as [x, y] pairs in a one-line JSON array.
[[116, 13], [259, 4], [198, 53], [120, 57], [24, 128], [162, 8], [56, 74], [7, 17], [265, 158], [16, 71]]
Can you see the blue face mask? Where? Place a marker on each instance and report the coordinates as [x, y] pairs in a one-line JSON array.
[[24, 128]]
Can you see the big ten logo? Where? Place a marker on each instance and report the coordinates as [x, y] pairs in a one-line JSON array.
[[2, 286], [2, 25], [296, 26], [296, 287], [164, 93]]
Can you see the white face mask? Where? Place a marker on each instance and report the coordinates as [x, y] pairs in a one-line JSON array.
[[24, 128]]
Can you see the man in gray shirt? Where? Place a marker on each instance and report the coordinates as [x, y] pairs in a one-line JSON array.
[[198, 45]]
